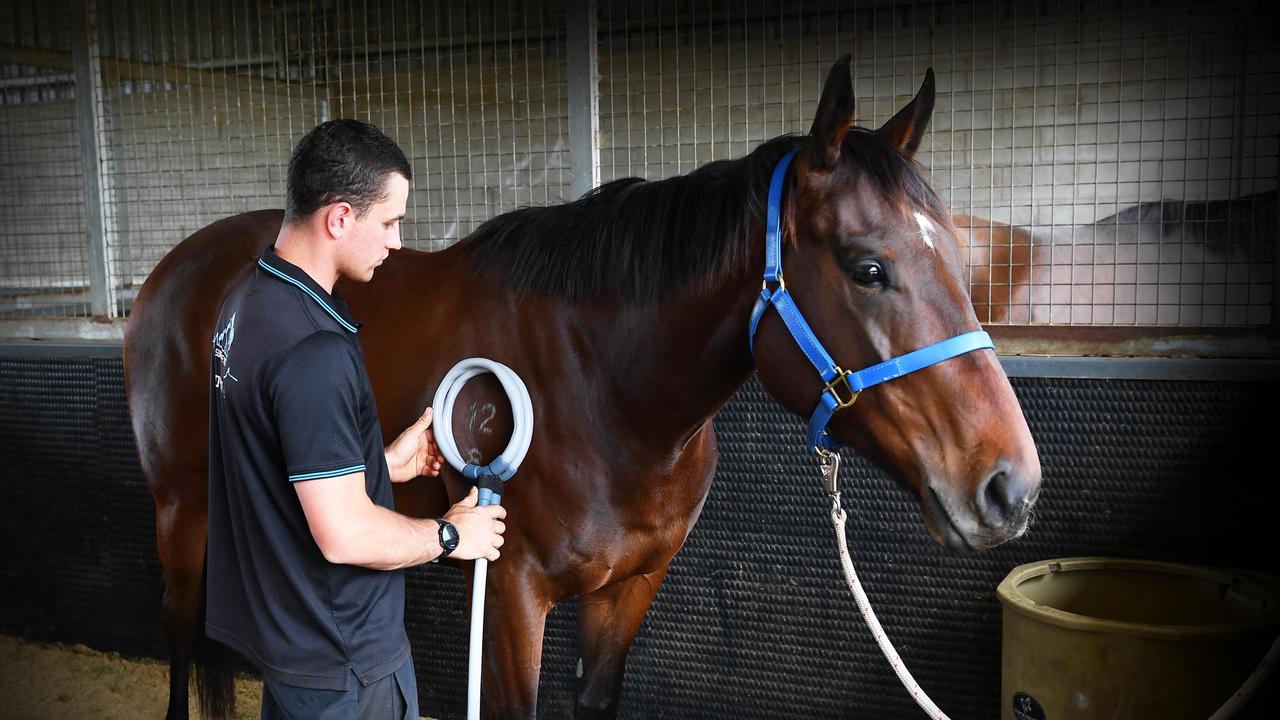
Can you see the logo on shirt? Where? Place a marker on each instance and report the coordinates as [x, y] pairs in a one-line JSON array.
[[222, 354]]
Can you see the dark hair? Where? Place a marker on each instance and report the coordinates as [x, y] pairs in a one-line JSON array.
[[631, 238], [637, 240], [341, 160]]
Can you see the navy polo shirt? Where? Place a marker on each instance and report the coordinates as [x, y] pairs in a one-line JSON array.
[[290, 402]]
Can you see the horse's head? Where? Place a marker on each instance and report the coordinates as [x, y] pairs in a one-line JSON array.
[[872, 261]]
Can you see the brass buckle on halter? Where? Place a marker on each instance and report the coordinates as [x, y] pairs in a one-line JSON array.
[[831, 387], [782, 284]]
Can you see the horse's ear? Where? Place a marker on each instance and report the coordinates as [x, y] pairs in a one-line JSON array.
[[905, 130], [835, 114]]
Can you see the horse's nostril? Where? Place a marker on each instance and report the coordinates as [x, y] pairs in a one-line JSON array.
[[994, 503], [1003, 498]]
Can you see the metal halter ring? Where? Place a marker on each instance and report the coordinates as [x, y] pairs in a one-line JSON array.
[[842, 377]]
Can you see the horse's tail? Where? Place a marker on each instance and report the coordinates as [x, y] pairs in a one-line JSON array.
[[214, 666]]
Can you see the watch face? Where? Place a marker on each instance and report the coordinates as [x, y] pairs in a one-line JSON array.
[[448, 535]]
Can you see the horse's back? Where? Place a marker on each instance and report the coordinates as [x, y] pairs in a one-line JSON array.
[[168, 339]]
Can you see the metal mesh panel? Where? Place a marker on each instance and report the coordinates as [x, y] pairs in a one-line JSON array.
[[198, 124], [203, 101], [1108, 164], [1111, 164], [43, 256], [679, 90], [1113, 139], [478, 102]]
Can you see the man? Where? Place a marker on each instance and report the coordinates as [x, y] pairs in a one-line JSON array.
[[304, 545]]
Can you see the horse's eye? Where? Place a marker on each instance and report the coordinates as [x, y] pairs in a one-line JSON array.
[[870, 273]]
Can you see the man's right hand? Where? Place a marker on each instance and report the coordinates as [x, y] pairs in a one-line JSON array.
[[479, 528]]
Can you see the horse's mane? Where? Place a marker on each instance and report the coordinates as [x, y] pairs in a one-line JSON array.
[[638, 240], [1233, 228], [1219, 216]]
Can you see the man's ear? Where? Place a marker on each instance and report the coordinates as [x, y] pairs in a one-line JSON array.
[[338, 218]]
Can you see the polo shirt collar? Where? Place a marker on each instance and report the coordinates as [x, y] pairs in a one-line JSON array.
[[286, 271]]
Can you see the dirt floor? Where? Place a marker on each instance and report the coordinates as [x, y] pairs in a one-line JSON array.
[[48, 682]]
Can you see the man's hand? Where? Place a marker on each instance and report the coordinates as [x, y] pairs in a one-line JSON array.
[[479, 528], [415, 453]]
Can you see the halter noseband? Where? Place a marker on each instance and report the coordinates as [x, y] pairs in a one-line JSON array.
[[835, 379]]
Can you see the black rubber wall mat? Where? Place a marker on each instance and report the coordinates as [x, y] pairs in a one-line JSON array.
[[754, 620], [75, 513]]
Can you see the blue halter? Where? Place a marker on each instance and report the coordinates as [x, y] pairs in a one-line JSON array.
[[832, 375]]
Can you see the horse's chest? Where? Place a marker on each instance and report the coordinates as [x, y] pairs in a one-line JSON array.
[[671, 495]]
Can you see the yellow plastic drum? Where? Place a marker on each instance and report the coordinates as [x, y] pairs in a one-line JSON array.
[[1131, 639]]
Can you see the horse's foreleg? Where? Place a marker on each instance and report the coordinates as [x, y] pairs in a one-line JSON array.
[[515, 619], [608, 620]]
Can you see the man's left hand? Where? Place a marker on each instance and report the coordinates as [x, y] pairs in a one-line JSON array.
[[415, 452]]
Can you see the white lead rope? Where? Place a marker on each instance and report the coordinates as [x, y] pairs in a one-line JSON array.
[[869, 615], [507, 463], [1250, 686], [831, 471]]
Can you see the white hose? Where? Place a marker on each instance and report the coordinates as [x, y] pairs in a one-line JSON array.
[[475, 650], [506, 465], [517, 393]]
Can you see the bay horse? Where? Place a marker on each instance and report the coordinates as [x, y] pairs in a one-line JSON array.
[[626, 313]]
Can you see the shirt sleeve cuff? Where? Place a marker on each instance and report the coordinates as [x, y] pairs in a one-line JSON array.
[[327, 473]]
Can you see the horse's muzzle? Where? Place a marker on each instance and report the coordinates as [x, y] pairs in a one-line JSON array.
[[998, 511], [1005, 497]]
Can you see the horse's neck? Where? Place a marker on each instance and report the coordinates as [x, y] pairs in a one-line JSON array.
[[655, 371], [670, 366]]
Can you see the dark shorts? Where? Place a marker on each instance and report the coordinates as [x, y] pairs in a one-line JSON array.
[[394, 697]]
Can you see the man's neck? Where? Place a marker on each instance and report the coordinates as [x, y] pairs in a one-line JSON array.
[[304, 247]]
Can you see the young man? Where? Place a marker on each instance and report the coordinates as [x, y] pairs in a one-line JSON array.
[[304, 546]]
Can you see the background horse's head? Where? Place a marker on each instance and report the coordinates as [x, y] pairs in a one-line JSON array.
[[872, 260]]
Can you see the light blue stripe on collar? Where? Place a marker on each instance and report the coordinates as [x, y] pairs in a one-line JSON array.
[[310, 292]]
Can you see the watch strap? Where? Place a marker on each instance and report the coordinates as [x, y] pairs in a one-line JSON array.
[[447, 547]]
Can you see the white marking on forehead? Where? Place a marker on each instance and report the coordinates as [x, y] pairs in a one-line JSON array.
[[926, 229]]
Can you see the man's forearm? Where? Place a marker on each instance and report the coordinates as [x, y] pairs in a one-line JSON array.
[[383, 539], [349, 529]]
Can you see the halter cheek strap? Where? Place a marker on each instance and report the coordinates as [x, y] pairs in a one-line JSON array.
[[841, 386]]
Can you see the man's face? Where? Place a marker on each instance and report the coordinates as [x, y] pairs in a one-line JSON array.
[[376, 234]]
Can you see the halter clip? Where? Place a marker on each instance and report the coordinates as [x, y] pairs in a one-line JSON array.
[[830, 464]]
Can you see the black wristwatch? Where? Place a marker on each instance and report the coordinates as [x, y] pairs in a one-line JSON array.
[[448, 537]]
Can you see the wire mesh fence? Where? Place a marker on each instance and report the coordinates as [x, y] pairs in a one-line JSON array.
[[1107, 163], [43, 257]]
